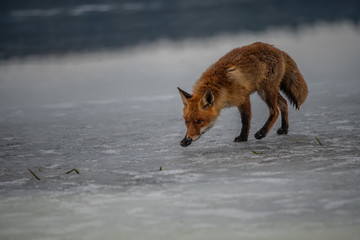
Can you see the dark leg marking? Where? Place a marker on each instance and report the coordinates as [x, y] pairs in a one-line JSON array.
[[284, 115], [245, 112]]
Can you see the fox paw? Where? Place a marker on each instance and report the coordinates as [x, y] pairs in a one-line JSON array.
[[281, 131], [260, 134], [240, 139]]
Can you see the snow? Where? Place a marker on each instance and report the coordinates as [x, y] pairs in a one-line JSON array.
[[294, 188]]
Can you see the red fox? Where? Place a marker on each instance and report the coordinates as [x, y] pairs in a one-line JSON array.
[[229, 82]]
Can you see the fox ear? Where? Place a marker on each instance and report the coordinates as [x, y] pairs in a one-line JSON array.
[[207, 99], [184, 95]]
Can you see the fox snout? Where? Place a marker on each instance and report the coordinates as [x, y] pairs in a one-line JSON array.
[[186, 141]]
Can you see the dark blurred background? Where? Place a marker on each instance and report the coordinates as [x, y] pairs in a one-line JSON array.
[[39, 27]]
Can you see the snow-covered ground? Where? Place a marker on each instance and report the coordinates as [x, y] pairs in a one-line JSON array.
[[117, 119]]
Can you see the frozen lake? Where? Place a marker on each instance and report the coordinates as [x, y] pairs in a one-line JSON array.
[[117, 118]]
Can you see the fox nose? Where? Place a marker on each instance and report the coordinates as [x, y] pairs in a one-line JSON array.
[[186, 141]]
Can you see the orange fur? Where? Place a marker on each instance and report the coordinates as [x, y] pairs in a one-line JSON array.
[[229, 82]]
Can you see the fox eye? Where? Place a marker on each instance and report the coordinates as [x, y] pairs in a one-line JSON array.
[[186, 121], [199, 121]]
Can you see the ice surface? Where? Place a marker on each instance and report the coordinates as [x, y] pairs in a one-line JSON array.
[[214, 189]]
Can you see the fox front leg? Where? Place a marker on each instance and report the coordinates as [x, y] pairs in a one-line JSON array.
[[245, 112]]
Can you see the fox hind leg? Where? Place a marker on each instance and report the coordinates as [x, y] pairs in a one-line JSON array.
[[270, 97], [245, 112], [284, 115]]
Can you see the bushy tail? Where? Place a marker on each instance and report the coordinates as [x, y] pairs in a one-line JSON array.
[[293, 83]]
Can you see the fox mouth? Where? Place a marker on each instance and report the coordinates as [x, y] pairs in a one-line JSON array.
[[188, 140]]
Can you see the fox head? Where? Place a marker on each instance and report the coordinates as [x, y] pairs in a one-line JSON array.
[[200, 115]]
